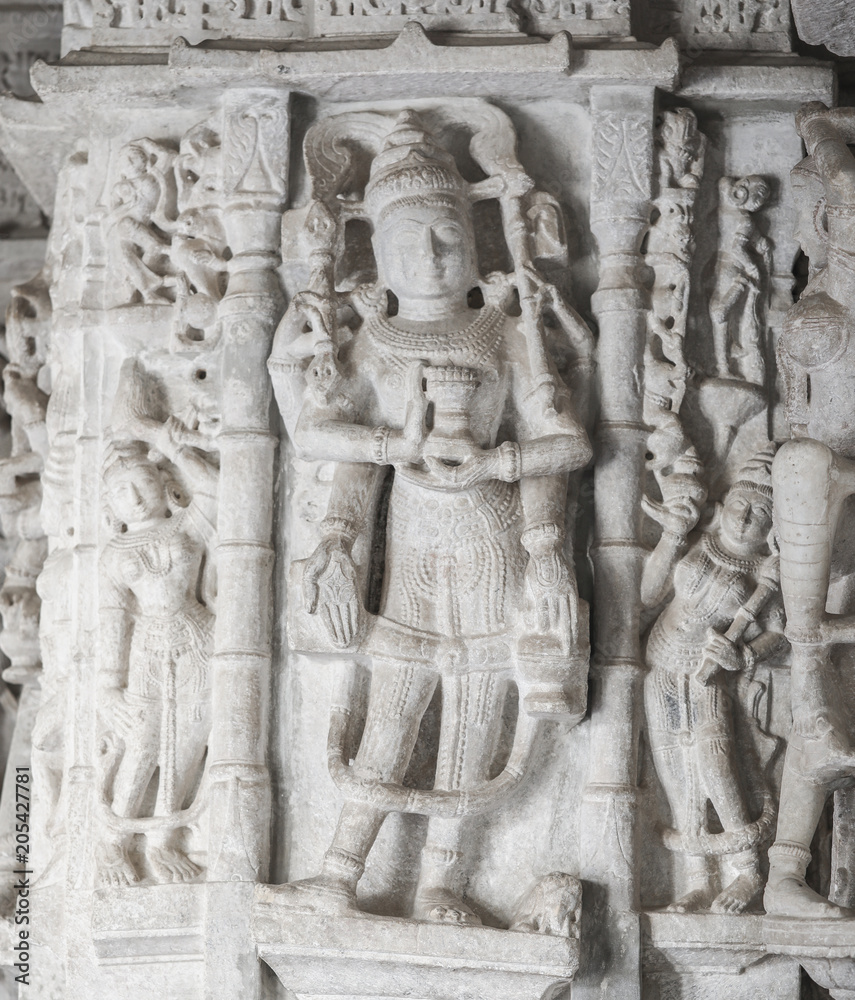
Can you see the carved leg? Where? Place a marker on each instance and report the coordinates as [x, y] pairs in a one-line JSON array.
[[400, 693], [129, 786], [787, 894], [168, 862], [721, 309], [667, 701], [471, 723], [739, 893], [700, 890], [810, 484], [718, 768]]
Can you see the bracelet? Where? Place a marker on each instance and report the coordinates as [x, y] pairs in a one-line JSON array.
[[536, 532], [749, 656], [333, 525], [380, 445], [510, 457]]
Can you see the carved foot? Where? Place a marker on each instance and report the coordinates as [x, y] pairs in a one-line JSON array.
[[739, 894], [171, 865], [323, 894], [692, 902], [791, 897], [115, 868], [443, 907]]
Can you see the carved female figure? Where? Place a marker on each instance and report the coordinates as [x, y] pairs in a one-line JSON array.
[[720, 585], [156, 633], [475, 519]]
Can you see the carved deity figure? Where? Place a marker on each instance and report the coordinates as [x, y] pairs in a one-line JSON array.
[[141, 205], [155, 644], [742, 271], [444, 394], [708, 633], [814, 479]]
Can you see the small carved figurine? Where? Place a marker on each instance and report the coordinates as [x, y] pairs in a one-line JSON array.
[[742, 272], [141, 209], [724, 582]]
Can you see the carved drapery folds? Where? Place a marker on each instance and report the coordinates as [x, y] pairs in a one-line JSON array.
[[412, 584]]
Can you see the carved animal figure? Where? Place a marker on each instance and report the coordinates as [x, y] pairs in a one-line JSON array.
[[553, 907]]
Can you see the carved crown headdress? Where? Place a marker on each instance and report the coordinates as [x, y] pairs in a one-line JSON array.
[[412, 168], [756, 475]]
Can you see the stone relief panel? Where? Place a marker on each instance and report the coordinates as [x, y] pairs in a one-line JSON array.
[[729, 24], [436, 400], [760, 25], [432, 396], [715, 704]]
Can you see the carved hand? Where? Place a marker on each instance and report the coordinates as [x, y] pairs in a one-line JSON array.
[[330, 586], [121, 717], [22, 397], [313, 306], [479, 468], [678, 517], [551, 587], [808, 112], [719, 653], [406, 446]]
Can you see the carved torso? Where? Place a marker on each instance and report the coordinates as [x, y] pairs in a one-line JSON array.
[[710, 586], [171, 638]]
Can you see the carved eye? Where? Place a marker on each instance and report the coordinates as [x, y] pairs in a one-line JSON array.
[[201, 375]]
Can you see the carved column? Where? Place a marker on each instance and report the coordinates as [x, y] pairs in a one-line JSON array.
[[255, 145], [620, 211]]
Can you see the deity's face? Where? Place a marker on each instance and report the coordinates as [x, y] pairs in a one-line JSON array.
[[426, 252], [746, 518], [136, 493]]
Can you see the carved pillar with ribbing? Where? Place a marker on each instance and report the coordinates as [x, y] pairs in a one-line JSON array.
[[255, 151], [623, 124]]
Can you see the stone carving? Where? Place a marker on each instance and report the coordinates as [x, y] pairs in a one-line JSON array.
[[670, 248], [830, 23], [812, 479], [762, 24], [141, 203], [554, 906], [742, 271], [198, 249], [21, 497], [397, 655], [165, 229], [721, 621], [157, 595], [477, 589]]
